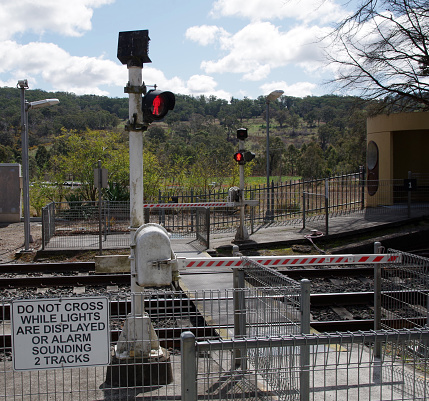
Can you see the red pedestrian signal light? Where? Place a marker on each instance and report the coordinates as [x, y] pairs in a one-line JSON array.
[[156, 104], [239, 157]]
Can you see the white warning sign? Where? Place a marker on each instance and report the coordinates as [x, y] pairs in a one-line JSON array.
[[60, 332]]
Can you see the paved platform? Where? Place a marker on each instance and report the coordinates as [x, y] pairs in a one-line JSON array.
[[267, 234], [339, 225]]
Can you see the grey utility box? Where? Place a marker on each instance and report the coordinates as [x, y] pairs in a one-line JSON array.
[[10, 192]]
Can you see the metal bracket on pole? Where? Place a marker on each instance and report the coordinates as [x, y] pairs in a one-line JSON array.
[[134, 125], [135, 88]]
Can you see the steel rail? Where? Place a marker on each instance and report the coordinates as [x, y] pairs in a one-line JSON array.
[[56, 267], [124, 278]]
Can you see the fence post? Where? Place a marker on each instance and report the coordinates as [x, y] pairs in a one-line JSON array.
[[303, 210], [239, 315], [190, 211], [100, 233], [326, 207], [207, 219], [52, 220], [188, 366], [362, 182], [304, 382], [272, 200], [44, 215], [105, 202], [252, 212], [377, 300]]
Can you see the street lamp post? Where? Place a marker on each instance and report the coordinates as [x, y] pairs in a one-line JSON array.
[[25, 106], [270, 98]]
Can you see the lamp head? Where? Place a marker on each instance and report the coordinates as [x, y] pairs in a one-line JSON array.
[[42, 103], [23, 83], [274, 95]]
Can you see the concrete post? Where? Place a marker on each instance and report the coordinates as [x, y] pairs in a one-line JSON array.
[[188, 365], [136, 150]]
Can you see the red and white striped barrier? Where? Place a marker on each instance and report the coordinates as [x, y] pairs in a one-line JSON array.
[[200, 204], [187, 263]]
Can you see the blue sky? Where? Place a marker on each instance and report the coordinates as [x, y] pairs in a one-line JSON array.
[[225, 48]]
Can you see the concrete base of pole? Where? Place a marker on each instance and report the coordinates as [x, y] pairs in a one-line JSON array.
[[241, 234], [138, 372]]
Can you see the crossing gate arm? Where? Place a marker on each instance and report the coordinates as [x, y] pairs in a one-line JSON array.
[[199, 204], [278, 261]]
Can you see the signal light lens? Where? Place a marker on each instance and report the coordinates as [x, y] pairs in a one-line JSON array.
[[156, 105], [239, 157], [242, 134], [248, 156]]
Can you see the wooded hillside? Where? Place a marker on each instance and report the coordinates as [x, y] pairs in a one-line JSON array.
[[309, 137]]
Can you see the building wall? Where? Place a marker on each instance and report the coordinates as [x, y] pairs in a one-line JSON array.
[[10, 192], [402, 140]]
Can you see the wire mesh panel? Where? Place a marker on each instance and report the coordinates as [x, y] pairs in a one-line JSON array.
[[342, 366], [203, 225], [277, 310], [405, 292], [145, 352]]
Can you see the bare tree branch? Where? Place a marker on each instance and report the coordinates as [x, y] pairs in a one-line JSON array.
[[381, 51]]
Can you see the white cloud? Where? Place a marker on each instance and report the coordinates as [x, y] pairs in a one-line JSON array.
[[82, 75], [58, 68], [303, 10], [205, 85], [298, 89], [70, 18], [205, 34], [261, 46]]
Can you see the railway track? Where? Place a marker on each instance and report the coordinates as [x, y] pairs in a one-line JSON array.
[[82, 274]]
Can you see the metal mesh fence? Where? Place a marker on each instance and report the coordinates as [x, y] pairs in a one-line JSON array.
[[405, 291], [266, 362], [156, 375], [341, 366], [75, 224]]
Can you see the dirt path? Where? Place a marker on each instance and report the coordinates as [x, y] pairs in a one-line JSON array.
[[12, 241]]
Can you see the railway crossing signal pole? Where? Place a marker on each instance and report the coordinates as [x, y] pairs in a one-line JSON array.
[[241, 234], [241, 157], [138, 346], [133, 49]]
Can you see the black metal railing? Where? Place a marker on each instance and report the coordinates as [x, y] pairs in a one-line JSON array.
[[291, 202]]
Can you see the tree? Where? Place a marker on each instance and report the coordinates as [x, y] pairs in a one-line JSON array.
[[312, 163], [42, 157], [6, 154], [84, 151], [382, 51], [281, 116]]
